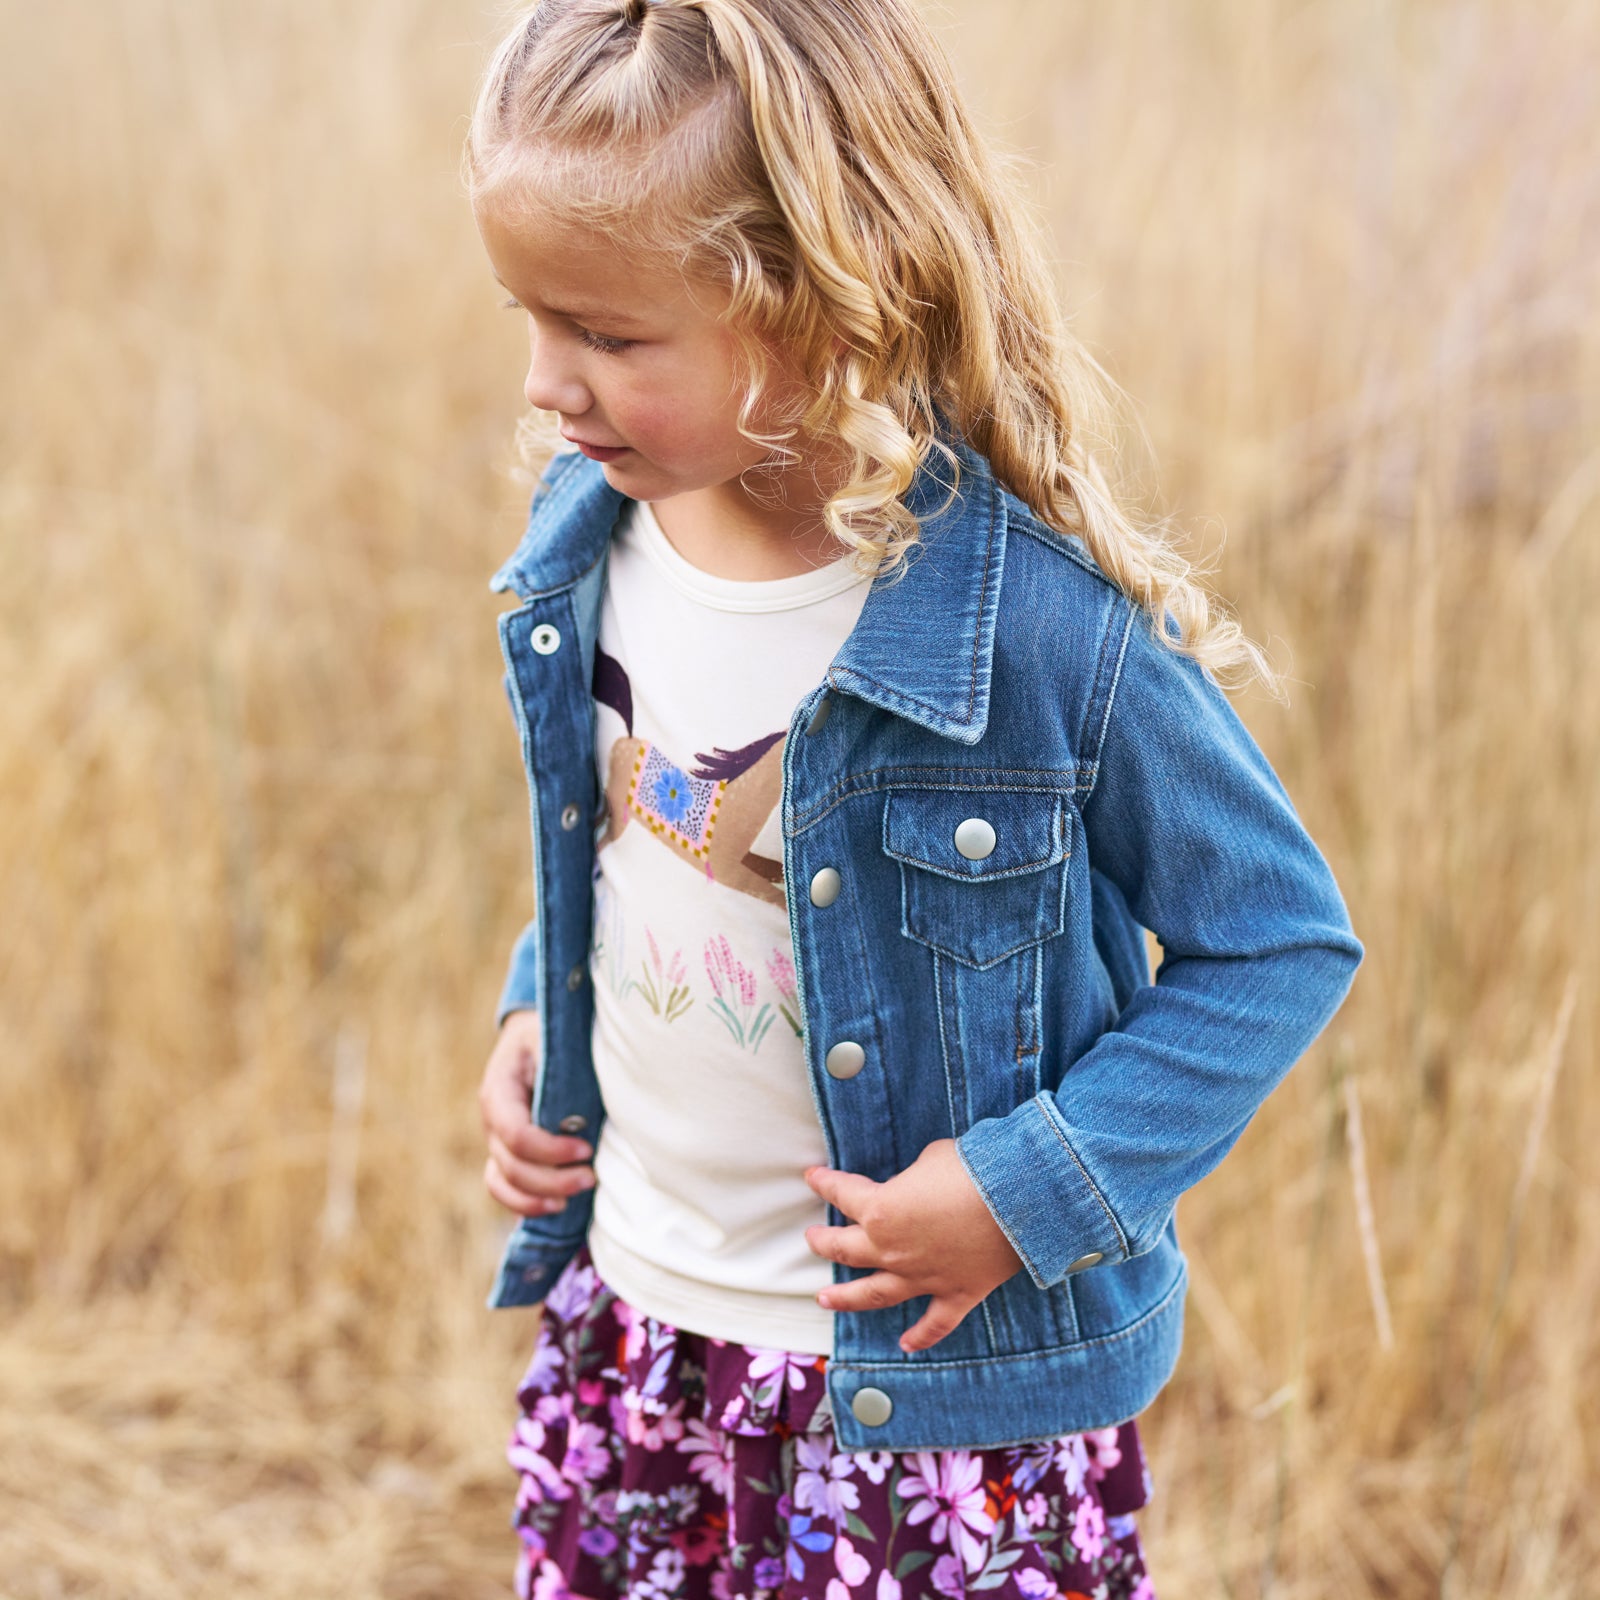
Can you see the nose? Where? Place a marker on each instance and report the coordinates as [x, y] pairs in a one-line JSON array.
[[552, 383]]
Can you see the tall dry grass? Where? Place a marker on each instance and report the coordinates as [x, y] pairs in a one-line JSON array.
[[263, 844]]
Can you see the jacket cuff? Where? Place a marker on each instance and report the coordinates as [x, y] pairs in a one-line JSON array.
[[1053, 1212], [521, 989]]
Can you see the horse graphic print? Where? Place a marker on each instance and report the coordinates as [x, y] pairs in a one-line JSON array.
[[710, 815]]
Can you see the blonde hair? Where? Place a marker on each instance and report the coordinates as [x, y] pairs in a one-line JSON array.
[[814, 157]]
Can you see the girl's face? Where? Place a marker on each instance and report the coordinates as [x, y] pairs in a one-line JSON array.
[[632, 358]]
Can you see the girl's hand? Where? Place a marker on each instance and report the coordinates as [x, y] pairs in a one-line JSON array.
[[926, 1230], [528, 1170]]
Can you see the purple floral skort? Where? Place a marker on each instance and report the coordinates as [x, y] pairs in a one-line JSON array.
[[657, 1464]]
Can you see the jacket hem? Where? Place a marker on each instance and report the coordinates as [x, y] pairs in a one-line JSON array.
[[989, 1402]]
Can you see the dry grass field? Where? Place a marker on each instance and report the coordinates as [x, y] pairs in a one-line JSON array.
[[263, 830]]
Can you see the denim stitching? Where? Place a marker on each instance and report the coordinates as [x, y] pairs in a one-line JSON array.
[[1094, 1189]]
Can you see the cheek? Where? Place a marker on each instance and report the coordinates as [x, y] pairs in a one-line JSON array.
[[683, 422]]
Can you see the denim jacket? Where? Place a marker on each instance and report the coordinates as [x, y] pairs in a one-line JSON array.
[[1013, 778]]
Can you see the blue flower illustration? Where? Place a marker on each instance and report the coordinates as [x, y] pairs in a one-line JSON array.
[[802, 1534], [670, 796]]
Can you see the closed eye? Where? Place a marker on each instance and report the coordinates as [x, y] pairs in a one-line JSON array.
[[594, 341], [598, 341]]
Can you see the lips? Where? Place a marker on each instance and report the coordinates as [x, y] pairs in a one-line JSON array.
[[597, 452]]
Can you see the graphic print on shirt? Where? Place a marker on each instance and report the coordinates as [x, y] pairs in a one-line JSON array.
[[710, 816], [734, 985]]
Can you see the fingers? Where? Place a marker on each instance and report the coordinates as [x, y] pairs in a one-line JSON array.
[[944, 1315], [530, 1204], [849, 1245], [849, 1192], [542, 1180], [503, 1103], [868, 1294]]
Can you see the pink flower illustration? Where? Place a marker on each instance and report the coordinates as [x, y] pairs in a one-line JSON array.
[[1104, 1452], [948, 1486], [780, 968], [1089, 1530], [710, 1458], [734, 985], [664, 988]]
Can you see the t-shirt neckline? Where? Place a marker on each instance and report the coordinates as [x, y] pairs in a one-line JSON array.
[[739, 594]]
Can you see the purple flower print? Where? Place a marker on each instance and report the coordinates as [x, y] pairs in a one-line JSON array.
[[710, 1458], [948, 1486], [1035, 1511], [769, 1572], [572, 1295], [947, 1578], [822, 1483], [780, 968], [597, 1541], [587, 1455], [770, 1369], [735, 987], [1072, 1462], [1036, 1585], [544, 1368], [540, 1479], [1089, 1530]]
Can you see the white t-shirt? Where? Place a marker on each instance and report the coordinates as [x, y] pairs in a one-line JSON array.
[[700, 1207]]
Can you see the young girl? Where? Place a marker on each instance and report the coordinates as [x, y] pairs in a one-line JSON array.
[[865, 735]]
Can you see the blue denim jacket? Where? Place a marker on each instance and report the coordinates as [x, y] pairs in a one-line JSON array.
[[1013, 778]]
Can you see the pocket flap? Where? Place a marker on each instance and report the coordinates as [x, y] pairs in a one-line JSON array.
[[1030, 830]]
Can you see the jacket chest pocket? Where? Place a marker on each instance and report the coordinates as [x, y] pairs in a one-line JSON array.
[[983, 872]]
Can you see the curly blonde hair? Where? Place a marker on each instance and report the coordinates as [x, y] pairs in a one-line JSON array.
[[814, 157]]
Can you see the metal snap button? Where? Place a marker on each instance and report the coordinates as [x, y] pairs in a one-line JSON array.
[[575, 977], [825, 887], [570, 817], [1093, 1259], [573, 1124], [546, 639], [845, 1059], [974, 838], [872, 1407], [820, 715]]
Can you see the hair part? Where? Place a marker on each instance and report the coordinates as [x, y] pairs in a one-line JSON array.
[[814, 157]]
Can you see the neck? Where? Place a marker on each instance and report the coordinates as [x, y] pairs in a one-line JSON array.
[[730, 533]]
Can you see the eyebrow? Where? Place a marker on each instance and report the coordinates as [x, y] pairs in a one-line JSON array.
[[596, 312]]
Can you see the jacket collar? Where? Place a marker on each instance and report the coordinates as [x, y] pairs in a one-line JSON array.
[[923, 645]]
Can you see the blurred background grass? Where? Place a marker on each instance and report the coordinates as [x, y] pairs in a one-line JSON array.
[[263, 845]]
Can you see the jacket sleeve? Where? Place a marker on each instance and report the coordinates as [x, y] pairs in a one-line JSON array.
[[521, 987], [1190, 822]]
